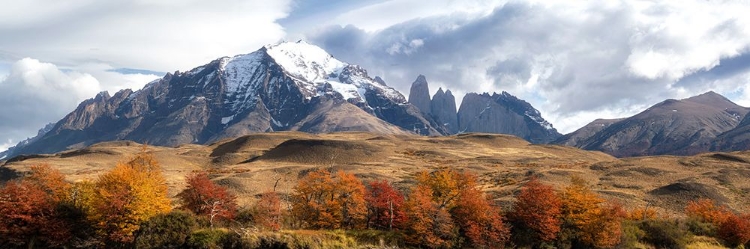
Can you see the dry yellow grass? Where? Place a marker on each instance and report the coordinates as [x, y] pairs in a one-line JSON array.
[[256, 163]]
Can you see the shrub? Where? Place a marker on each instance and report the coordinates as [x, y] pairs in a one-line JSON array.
[[735, 230], [166, 231], [701, 228], [631, 234], [215, 239], [665, 233]]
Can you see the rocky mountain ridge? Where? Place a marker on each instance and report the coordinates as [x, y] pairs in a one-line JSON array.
[[672, 127], [290, 86], [497, 113], [295, 86]]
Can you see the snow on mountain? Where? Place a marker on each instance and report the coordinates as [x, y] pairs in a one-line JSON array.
[[304, 61], [316, 72]]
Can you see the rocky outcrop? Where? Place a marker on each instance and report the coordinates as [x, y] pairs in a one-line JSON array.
[[504, 113], [443, 108], [419, 94]]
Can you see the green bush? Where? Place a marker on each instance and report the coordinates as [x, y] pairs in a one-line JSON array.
[[169, 230], [701, 228], [665, 233], [216, 239], [245, 217], [632, 234]]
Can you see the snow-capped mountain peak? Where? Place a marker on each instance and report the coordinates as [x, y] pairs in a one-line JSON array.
[[304, 61]]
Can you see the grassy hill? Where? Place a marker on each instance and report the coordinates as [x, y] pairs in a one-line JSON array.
[[252, 164]]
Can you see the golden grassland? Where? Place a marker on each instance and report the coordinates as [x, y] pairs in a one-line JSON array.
[[256, 163]]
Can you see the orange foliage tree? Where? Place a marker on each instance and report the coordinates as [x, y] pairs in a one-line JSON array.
[[641, 214], [384, 206], [28, 215], [593, 221], [205, 198], [51, 181], [323, 201], [479, 220], [128, 195], [536, 214], [707, 211], [735, 230], [268, 211], [446, 204], [732, 228], [427, 223]]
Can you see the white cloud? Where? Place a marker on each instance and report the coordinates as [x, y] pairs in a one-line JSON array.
[[155, 35], [35, 93], [6, 145], [575, 61], [387, 13], [112, 81], [673, 39]]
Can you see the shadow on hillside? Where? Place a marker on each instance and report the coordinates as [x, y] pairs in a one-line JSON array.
[[7, 174]]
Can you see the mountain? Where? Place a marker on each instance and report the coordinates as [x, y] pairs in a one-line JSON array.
[[497, 113], [290, 86], [419, 94], [676, 127], [504, 113], [585, 132], [11, 151], [734, 139], [443, 110]]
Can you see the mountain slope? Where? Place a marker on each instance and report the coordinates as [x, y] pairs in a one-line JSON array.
[[734, 139], [589, 130], [677, 127], [443, 108], [276, 88]]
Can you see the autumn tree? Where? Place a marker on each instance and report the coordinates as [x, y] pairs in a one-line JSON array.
[[28, 216], [351, 192], [205, 198], [735, 230], [384, 206], [51, 181], [267, 211], [706, 210], [536, 214], [323, 201], [131, 193], [592, 221], [641, 214], [480, 221], [447, 204], [427, 223]]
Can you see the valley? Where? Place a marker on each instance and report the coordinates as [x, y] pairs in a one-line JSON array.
[[252, 164]]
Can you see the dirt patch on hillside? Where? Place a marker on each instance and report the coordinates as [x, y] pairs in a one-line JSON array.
[[678, 194], [320, 151]]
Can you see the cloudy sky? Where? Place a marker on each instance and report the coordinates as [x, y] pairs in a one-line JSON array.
[[573, 60]]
